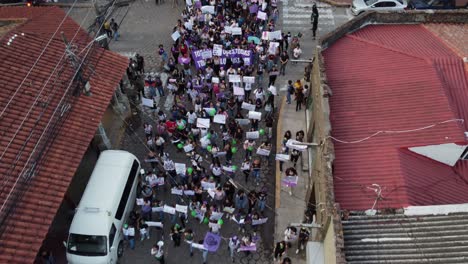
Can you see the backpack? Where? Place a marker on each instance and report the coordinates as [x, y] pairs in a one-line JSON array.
[[290, 89]]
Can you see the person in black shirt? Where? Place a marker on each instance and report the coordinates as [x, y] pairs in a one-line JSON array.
[[284, 59]]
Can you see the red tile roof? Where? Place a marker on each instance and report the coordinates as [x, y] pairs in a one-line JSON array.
[[28, 225], [395, 77]]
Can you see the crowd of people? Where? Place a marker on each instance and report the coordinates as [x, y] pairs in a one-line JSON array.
[[221, 121]]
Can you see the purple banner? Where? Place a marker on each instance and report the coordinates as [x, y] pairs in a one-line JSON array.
[[251, 247], [212, 242], [253, 9], [236, 56]]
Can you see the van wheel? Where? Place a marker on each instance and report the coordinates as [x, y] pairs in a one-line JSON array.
[[120, 250]]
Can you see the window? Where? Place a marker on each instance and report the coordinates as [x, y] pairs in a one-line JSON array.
[[86, 245], [127, 190], [112, 233]]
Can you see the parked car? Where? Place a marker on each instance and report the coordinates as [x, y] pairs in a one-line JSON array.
[[360, 6], [438, 4]]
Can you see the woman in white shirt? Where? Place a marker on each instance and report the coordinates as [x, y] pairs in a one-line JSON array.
[[297, 52]]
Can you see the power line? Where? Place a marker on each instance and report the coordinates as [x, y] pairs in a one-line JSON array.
[[37, 60]]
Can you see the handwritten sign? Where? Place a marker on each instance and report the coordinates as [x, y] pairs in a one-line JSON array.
[[217, 50], [169, 209], [252, 135], [255, 115], [180, 168], [140, 201], [175, 35], [282, 157], [275, 35], [263, 152], [203, 122], [234, 78], [229, 210], [177, 191], [157, 209], [272, 90], [236, 31], [248, 106], [215, 216], [181, 208], [155, 224], [189, 192], [219, 119], [272, 48], [261, 15], [208, 9], [248, 79], [238, 90], [243, 122], [208, 185], [147, 102], [188, 148], [260, 221], [215, 80], [290, 181]]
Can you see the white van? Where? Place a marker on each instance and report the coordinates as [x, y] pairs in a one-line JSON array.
[[95, 234]]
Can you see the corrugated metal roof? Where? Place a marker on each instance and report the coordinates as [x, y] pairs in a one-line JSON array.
[[389, 78], [29, 224]]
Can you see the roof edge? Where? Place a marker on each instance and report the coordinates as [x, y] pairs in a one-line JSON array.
[[436, 209], [405, 17]]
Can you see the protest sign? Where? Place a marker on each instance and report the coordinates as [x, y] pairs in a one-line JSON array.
[[169, 209], [188, 148], [215, 80], [160, 181], [212, 242], [253, 9], [181, 208], [290, 181], [228, 168], [203, 122], [157, 209], [219, 154], [243, 122], [208, 185], [177, 191], [251, 247], [260, 221], [292, 144], [140, 201], [248, 79], [208, 9], [209, 110], [155, 160], [188, 25], [265, 35], [180, 168], [272, 90], [263, 152], [229, 210], [238, 90], [217, 50], [155, 224], [215, 216], [189, 192], [211, 193], [247, 106], [236, 31], [147, 102], [175, 35], [275, 35], [188, 2], [261, 15], [255, 115], [219, 119], [234, 78], [282, 157], [264, 6], [272, 48], [198, 246], [252, 135]]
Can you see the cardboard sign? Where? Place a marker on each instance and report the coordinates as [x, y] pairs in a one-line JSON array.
[[282, 157], [140, 201], [188, 25], [229, 210], [203, 122], [261, 15], [254, 115], [189, 192], [180, 168], [181, 208], [248, 106], [160, 181], [248, 79], [217, 50], [215, 80], [157, 209], [238, 90], [290, 181], [188, 148], [215, 216], [208, 185], [260, 221], [272, 48], [234, 78], [252, 135], [272, 90], [275, 35], [291, 144], [236, 31], [147, 102], [175, 35], [219, 119], [265, 35], [169, 209]]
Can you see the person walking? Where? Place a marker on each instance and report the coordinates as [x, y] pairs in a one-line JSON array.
[[115, 29], [233, 246], [299, 100], [157, 252], [314, 19], [284, 59], [303, 238], [129, 235], [290, 92], [280, 249]]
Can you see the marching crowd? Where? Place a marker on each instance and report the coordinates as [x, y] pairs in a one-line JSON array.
[[221, 121]]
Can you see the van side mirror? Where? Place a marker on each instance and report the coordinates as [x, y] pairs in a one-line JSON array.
[[111, 249]]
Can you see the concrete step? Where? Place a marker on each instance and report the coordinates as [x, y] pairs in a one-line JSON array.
[[453, 260], [415, 250], [389, 257], [359, 245], [398, 228], [448, 234]]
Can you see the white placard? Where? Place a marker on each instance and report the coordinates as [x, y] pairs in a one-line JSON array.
[[189, 192], [248, 79], [180, 168], [208, 185], [131, 231], [156, 224], [208, 110], [272, 48], [181, 208], [198, 246], [254, 115], [273, 90], [236, 31], [203, 122], [228, 30], [291, 144], [188, 25], [157, 209], [208, 9], [140, 201], [219, 154], [213, 225], [217, 50], [215, 216], [169, 209], [243, 122], [234, 78], [265, 35], [160, 181], [238, 90], [252, 135], [215, 80], [261, 15], [275, 35], [211, 192], [260, 221], [175, 35], [219, 119], [264, 6], [188, 148], [248, 106], [147, 102], [229, 210], [228, 168], [177, 191], [282, 157], [263, 152]]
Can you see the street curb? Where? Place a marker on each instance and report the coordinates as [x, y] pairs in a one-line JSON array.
[[279, 138], [335, 3]]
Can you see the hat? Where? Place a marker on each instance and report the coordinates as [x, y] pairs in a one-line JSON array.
[[126, 226]]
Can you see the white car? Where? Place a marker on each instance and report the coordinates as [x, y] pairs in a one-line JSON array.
[[360, 6]]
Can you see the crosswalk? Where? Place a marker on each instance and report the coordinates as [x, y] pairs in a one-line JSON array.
[[296, 16]]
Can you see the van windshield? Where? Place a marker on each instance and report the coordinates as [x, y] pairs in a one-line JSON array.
[[86, 245]]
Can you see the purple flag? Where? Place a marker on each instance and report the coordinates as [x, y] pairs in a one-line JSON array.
[[251, 247], [211, 242], [253, 9]]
